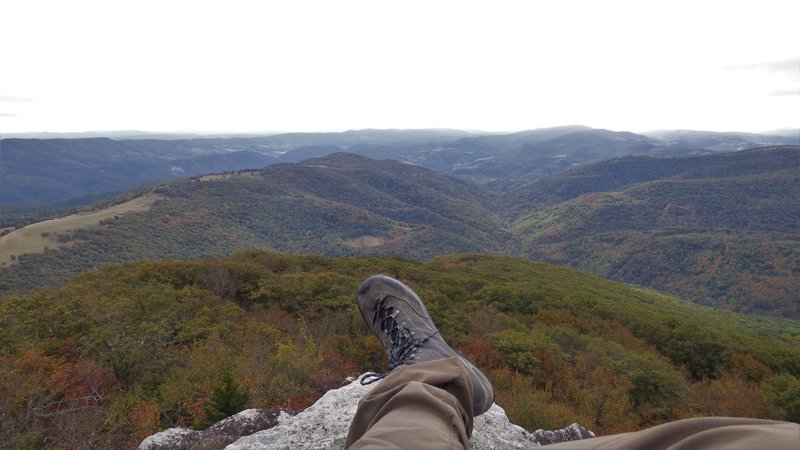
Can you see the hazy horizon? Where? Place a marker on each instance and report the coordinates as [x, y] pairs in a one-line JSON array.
[[183, 134]]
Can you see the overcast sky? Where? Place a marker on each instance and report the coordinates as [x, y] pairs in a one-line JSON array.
[[494, 65]]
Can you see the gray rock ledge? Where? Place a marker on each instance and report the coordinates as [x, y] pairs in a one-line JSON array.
[[324, 425]]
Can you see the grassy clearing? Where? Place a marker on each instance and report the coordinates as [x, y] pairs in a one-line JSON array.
[[228, 175], [364, 242], [37, 237]]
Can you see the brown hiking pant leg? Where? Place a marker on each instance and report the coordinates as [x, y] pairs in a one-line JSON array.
[[428, 405], [721, 433], [424, 405]]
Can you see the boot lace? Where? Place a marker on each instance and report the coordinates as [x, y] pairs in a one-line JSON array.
[[404, 343]]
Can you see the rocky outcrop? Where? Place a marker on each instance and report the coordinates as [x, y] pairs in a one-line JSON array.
[[573, 432], [216, 436], [324, 425]]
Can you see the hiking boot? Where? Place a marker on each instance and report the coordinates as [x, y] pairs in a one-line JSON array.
[[398, 318]]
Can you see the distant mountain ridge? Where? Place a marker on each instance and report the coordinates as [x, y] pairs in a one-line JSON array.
[[48, 171], [719, 229], [619, 172], [725, 141], [54, 171], [561, 152]]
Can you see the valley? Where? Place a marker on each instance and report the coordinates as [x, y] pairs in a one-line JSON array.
[[241, 281], [719, 229], [597, 203], [71, 172]]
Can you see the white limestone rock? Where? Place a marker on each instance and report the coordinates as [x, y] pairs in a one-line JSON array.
[[324, 425], [170, 438], [216, 436]]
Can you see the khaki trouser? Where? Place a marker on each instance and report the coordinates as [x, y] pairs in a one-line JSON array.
[[429, 405]]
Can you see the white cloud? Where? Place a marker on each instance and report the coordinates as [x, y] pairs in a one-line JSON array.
[[310, 65], [787, 91], [789, 66], [13, 98]]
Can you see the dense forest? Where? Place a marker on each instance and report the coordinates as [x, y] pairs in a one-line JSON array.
[[123, 351], [718, 229], [726, 234], [340, 205]]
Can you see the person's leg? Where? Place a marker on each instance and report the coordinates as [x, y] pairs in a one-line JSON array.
[[721, 433], [424, 405], [431, 392], [398, 318]]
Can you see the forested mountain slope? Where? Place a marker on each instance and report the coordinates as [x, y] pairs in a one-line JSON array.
[[554, 155], [338, 205], [68, 171], [616, 173], [723, 230], [719, 229], [59, 170], [119, 353], [725, 141]]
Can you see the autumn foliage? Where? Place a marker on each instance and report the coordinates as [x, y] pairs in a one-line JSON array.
[[120, 353]]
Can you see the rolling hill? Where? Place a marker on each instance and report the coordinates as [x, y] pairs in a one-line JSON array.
[[556, 154], [617, 173], [725, 142], [720, 229], [342, 204], [60, 170], [70, 172], [120, 353]]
